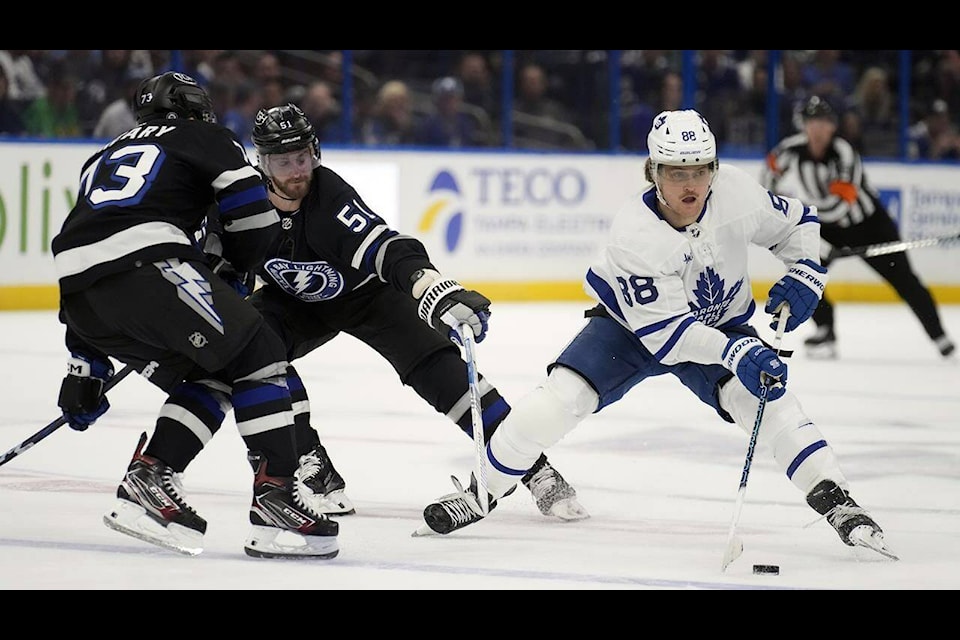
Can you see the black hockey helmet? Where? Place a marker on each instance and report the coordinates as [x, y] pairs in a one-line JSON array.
[[816, 107], [283, 129], [172, 95]]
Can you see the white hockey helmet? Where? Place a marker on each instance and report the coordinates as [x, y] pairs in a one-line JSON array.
[[681, 138], [678, 139]]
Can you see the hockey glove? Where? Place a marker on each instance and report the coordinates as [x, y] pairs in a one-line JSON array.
[[802, 288], [242, 282], [81, 393], [756, 366], [445, 305]]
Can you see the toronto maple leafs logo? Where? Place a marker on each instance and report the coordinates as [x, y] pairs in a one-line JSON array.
[[308, 281], [711, 297]]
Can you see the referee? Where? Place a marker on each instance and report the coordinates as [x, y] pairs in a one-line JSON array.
[[822, 169]]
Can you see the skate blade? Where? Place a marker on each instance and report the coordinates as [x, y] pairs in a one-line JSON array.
[[872, 541], [271, 542], [133, 521], [569, 510], [424, 532]]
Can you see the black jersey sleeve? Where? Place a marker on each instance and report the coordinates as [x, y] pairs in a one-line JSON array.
[[248, 220]]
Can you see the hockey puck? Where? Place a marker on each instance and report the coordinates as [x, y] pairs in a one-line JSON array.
[[768, 569]]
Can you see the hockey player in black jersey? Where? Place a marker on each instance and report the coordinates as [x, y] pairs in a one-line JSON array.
[[135, 286], [338, 267]]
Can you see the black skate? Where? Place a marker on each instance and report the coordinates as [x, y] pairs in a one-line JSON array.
[[284, 525], [453, 511], [150, 507], [325, 488], [554, 495], [851, 521], [822, 345]]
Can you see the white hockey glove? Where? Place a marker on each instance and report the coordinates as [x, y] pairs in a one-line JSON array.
[[445, 305], [756, 366]]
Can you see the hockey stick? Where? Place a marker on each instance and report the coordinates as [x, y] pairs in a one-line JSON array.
[[734, 543], [885, 248], [476, 415], [59, 422]]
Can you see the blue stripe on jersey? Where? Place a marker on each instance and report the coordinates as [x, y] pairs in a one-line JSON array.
[[294, 383], [260, 394], [245, 197], [605, 293], [808, 216], [803, 455], [657, 326], [370, 255], [674, 337]]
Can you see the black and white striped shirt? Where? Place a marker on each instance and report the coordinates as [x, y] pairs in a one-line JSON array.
[[835, 184]]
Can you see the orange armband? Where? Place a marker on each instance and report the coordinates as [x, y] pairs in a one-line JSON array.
[[846, 190]]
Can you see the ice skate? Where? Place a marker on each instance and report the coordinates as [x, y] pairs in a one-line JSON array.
[[453, 511], [150, 507], [851, 521], [284, 525], [822, 345], [325, 489], [553, 495]]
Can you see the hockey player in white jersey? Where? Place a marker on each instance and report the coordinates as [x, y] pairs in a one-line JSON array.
[[674, 297]]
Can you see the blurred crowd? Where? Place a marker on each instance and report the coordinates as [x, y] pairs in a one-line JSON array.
[[560, 99]]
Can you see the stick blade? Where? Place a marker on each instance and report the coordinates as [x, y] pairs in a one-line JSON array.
[[734, 549]]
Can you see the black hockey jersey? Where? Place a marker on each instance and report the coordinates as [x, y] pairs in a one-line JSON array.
[[335, 244], [145, 195]]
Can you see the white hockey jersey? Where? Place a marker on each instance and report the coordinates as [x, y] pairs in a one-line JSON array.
[[676, 288]]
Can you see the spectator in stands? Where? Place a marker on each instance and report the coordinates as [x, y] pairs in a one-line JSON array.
[[118, 117], [391, 121], [448, 125], [533, 97], [635, 127], [229, 70], [198, 63], [935, 137], [55, 115], [238, 115], [540, 121], [479, 89], [874, 106], [25, 83], [11, 124], [827, 76], [267, 68], [718, 90], [324, 111], [273, 92]]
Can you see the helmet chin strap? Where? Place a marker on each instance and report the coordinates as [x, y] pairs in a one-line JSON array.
[[279, 195]]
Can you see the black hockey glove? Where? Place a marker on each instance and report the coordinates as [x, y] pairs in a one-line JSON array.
[[81, 393], [243, 282], [445, 305]]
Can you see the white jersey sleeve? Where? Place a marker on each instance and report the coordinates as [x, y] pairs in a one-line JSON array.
[[676, 289]]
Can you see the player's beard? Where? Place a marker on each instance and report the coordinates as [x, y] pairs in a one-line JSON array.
[[294, 188]]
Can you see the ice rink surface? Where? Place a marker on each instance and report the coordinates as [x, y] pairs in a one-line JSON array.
[[658, 472]]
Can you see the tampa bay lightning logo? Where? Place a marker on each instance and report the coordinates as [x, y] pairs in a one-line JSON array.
[[711, 297], [308, 281]]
